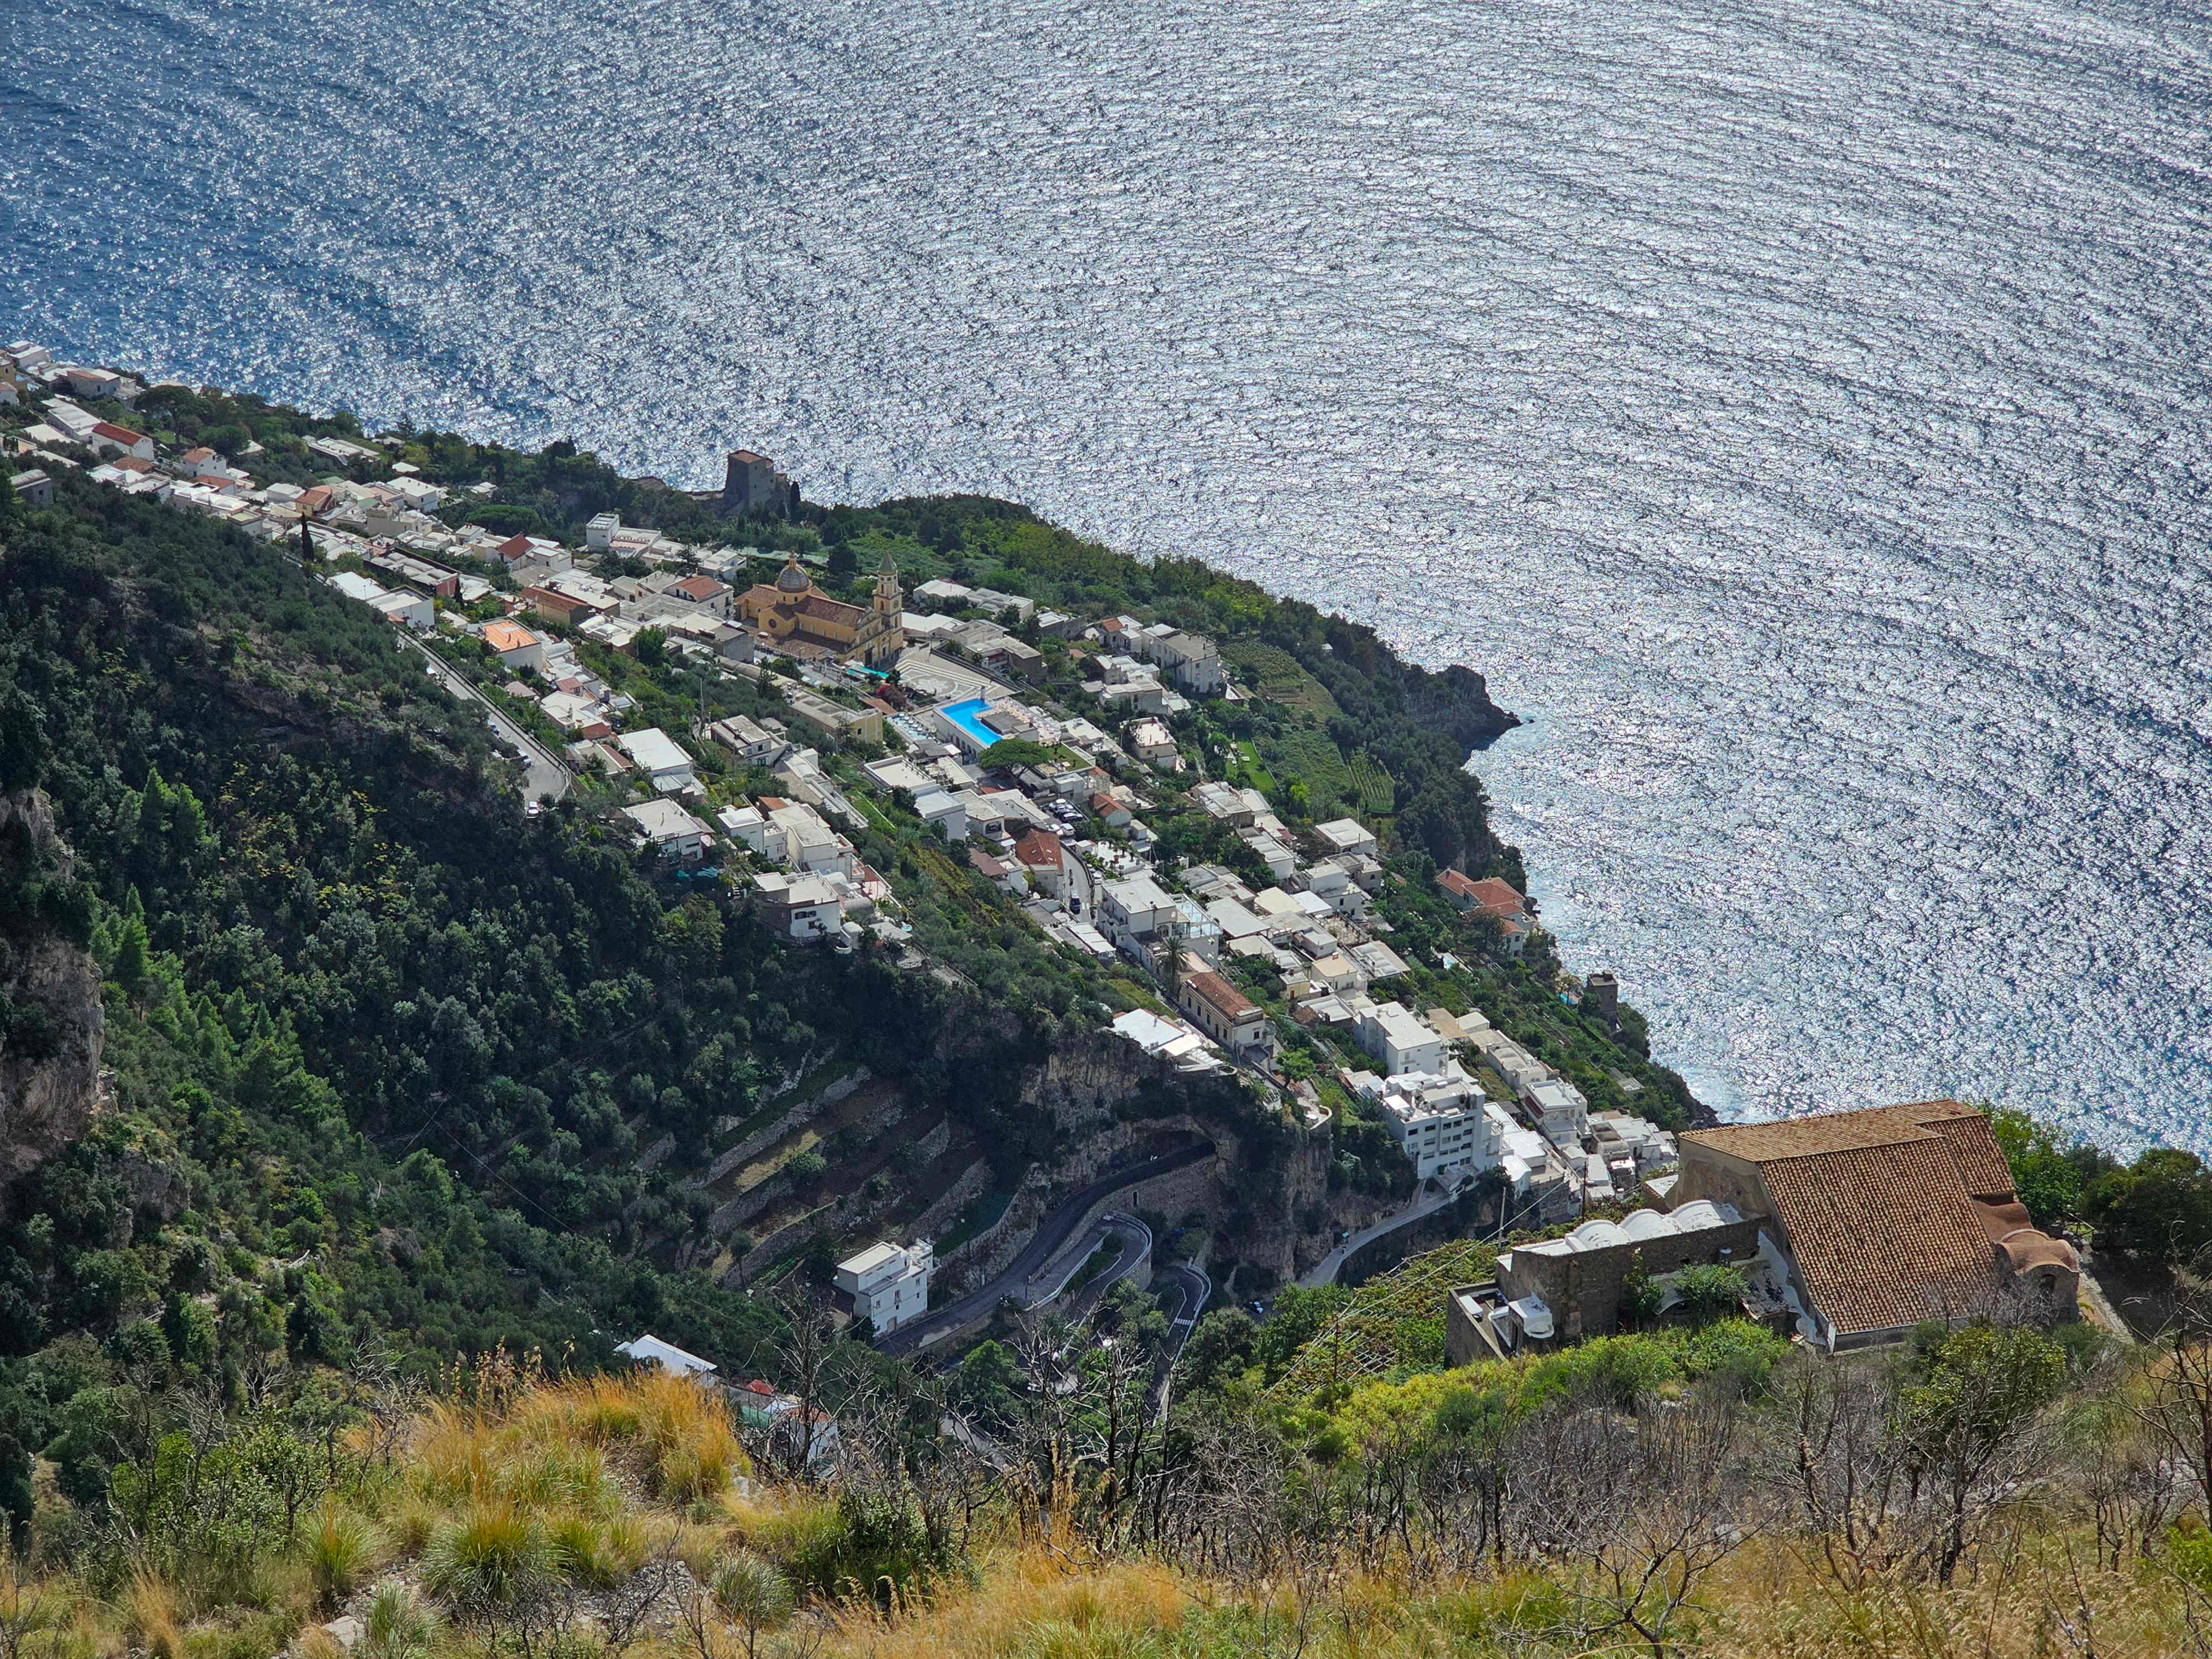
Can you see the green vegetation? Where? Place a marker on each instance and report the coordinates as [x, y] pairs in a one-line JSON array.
[[385, 1058], [1010, 752]]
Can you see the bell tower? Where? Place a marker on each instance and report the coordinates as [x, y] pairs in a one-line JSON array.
[[890, 598]]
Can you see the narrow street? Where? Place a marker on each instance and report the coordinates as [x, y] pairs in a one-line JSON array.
[[543, 774], [1424, 1202]]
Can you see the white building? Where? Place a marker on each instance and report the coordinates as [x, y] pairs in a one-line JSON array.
[[1347, 835], [889, 1285], [1441, 1122], [1562, 1112], [1192, 660], [658, 759], [516, 646], [801, 908], [792, 834], [1135, 908], [747, 740], [942, 813], [669, 827], [599, 532], [650, 1350], [1150, 740], [413, 610], [1399, 1041]]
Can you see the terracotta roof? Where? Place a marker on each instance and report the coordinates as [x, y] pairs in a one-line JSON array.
[[1037, 847], [513, 547], [509, 636], [829, 610], [121, 435], [700, 587], [1492, 895], [1981, 1163], [1227, 1001], [1891, 1212], [1877, 1126], [1884, 1235]]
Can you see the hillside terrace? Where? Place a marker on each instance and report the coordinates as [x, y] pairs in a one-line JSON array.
[[1101, 737]]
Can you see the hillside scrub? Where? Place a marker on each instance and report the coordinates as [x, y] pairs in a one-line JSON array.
[[1983, 1490]]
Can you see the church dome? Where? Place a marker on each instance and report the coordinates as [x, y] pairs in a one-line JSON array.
[[792, 580]]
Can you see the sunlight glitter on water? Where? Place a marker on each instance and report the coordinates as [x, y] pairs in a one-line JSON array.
[[1802, 404]]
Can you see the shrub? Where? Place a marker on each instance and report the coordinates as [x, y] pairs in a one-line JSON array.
[[753, 1596], [397, 1626], [493, 1557], [804, 1536], [340, 1548]]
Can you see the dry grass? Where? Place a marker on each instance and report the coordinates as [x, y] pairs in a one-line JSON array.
[[677, 1436], [149, 1614], [1769, 1601], [1031, 1604], [2037, 1601]]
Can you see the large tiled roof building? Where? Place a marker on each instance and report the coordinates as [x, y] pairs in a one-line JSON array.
[[1886, 1217], [794, 613]]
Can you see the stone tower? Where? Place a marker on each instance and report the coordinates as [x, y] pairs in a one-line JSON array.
[[753, 483], [1601, 997], [890, 598]]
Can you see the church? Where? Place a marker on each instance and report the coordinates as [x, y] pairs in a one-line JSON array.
[[796, 616]]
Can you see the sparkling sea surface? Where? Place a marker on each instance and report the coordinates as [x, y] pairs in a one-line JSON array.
[[1799, 411]]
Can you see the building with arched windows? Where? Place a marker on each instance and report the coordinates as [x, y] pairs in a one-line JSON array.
[[794, 614]]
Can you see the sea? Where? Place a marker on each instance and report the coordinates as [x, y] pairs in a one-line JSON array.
[[1799, 411]]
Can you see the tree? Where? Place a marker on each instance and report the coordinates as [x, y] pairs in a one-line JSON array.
[[2049, 1175], [1966, 1425], [1649, 1504], [2159, 1209], [1223, 1345]]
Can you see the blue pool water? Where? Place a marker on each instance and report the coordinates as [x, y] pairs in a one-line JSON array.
[[969, 717]]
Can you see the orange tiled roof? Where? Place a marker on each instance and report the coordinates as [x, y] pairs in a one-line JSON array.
[[1227, 1001], [1883, 1207], [509, 636], [1884, 1235], [1039, 849]]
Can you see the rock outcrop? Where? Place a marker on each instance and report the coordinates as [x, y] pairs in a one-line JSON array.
[[51, 1024], [1455, 700]]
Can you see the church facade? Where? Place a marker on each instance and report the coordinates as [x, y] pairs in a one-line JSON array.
[[792, 612]]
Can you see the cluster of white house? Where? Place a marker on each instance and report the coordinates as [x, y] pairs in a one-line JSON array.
[[1544, 1138], [1021, 824]]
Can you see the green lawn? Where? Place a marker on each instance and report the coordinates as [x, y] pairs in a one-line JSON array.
[[1255, 771]]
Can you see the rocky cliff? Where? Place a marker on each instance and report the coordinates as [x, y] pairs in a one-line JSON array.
[[51, 1019], [1456, 702]]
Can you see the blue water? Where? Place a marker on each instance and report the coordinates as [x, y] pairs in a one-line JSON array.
[[1800, 408], [969, 717]]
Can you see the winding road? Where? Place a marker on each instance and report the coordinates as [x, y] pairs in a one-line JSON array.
[[1424, 1202], [1053, 1234], [543, 774], [1196, 1290]]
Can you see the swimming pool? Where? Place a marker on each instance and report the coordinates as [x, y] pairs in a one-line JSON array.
[[967, 717]]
